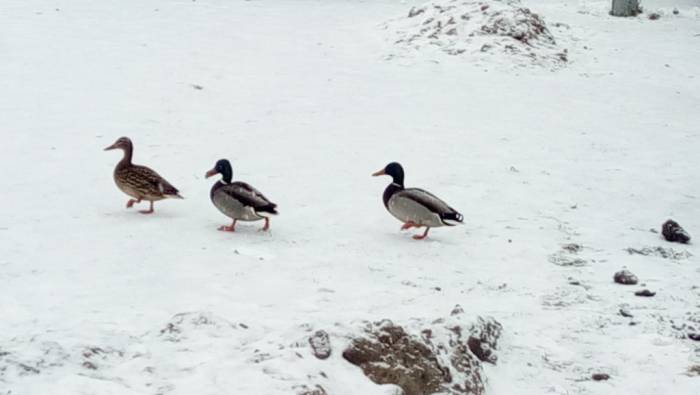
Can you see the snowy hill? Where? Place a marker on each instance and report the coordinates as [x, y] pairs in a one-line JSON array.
[[558, 174]]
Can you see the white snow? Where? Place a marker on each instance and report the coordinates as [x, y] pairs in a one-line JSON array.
[[301, 97]]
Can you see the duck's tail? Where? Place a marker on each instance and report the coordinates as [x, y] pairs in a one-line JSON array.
[[269, 209], [453, 218]]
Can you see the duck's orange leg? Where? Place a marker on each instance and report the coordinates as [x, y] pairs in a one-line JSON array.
[[267, 225], [424, 235], [231, 228], [131, 202], [149, 211], [409, 225]]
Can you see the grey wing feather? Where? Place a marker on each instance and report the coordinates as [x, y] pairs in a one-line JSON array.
[[427, 199], [247, 195]]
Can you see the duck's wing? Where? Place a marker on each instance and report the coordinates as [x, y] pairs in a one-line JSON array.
[[249, 196], [149, 181], [448, 215]]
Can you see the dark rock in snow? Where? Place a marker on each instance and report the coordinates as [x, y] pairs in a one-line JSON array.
[[440, 360], [457, 310], [666, 253], [625, 277], [673, 232], [484, 339], [391, 356], [694, 370], [315, 390], [694, 336], [572, 248], [654, 16], [320, 344], [645, 292], [625, 313], [600, 376]]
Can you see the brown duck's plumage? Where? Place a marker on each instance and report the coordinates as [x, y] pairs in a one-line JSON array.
[[138, 181]]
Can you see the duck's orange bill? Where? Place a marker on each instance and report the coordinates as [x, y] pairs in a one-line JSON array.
[[211, 173], [378, 173]]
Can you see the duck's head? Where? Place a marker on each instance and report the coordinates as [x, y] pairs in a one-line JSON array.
[[123, 143], [222, 167], [394, 170]]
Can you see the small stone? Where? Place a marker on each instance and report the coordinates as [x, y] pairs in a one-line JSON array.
[[654, 16], [572, 248], [600, 376], [645, 293], [625, 277], [694, 336], [673, 232], [89, 365], [625, 313], [457, 310], [320, 344]]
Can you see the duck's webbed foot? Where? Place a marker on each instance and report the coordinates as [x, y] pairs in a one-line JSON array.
[[149, 211], [131, 202], [231, 228], [423, 236]]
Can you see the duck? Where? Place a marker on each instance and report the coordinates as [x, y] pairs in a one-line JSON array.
[[238, 200], [415, 207], [140, 182]]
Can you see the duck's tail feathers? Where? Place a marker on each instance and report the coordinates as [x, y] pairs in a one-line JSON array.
[[270, 209], [175, 195], [452, 219]]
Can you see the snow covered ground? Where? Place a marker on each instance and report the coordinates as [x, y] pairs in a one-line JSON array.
[[304, 100]]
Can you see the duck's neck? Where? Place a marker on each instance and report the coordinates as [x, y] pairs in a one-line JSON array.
[[128, 154], [390, 190]]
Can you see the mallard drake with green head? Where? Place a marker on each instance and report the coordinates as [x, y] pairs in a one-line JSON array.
[[238, 200], [139, 182], [415, 207]]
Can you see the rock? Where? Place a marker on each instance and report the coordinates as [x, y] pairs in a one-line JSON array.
[[390, 356], [694, 336], [673, 232], [625, 313], [694, 370], [600, 376], [320, 345], [306, 390], [571, 248], [666, 253], [625, 277], [484, 339], [654, 16], [645, 292], [457, 310], [439, 360]]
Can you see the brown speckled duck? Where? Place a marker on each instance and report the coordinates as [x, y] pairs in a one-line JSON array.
[[139, 182]]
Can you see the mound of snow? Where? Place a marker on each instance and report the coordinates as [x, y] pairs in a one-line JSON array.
[[479, 30]]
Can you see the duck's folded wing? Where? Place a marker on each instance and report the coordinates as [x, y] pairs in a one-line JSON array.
[[149, 178], [248, 196], [432, 203]]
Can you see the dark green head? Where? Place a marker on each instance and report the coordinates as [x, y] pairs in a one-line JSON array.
[[222, 167], [394, 170]]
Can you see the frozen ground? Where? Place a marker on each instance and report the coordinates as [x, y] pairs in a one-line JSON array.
[[301, 96]]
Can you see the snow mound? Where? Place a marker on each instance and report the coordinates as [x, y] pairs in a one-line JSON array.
[[500, 30]]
